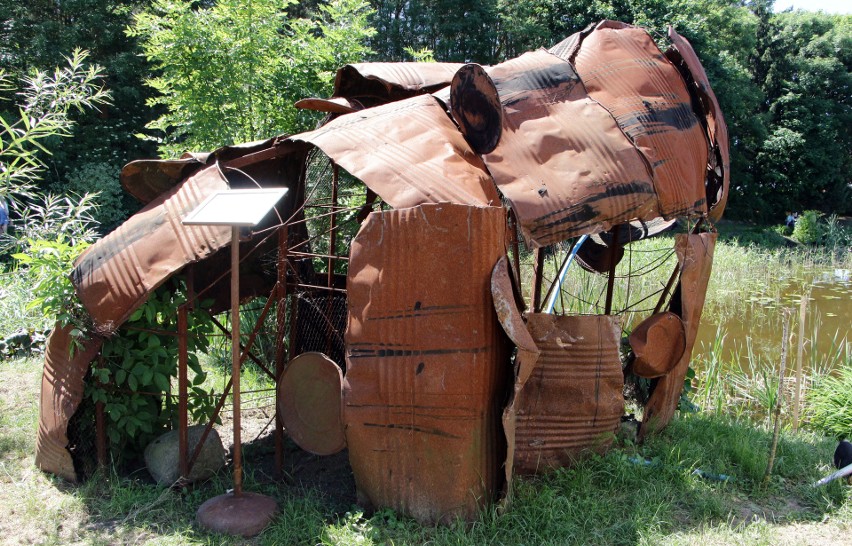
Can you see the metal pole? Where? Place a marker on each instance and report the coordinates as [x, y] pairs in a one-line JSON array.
[[235, 357], [183, 419], [610, 284], [537, 278], [280, 355]]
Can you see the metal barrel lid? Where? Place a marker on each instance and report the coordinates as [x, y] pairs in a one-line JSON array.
[[310, 402], [658, 343], [476, 107]]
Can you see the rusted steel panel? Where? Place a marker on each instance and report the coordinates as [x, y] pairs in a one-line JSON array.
[[695, 256], [333, 105], [426, 366], [562, 161], [379, 83], [147, 179], [683, 56], [118, 273], [409, 153], [625, 71], [61, 392], [572, 401]]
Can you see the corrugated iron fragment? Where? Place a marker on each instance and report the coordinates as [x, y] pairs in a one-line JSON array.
[[373, 84], [561, 182], [572, 401], [118, 273], [683, 56], [695, 255], [625, 71], [333, 105], [61, 393], [426, 366], [409, 153], [658, 343]]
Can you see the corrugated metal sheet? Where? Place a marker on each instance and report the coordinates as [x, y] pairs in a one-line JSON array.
[[572, 401], [61, 393], [426, 370], [625, 71], [409, 153], [684, 57], [116, 274], [379, 83], [695, 255], [562, 161]]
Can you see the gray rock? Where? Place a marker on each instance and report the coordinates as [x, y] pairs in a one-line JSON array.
[[161, 456]]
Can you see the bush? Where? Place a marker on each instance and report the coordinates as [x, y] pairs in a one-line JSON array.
[[809, 229], [101, 181]]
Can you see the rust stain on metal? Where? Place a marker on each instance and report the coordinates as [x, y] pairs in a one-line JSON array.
[[658, 343], [560, 182], [426, 369], [421, 160], [695, 256], [625, 71], [118, 273], [683, 56], [62, 385], [572, 402]]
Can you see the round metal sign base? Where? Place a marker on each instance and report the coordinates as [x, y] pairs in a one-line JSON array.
[[246, 515]]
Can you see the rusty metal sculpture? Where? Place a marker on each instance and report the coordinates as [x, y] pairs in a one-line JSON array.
[[602, 135]]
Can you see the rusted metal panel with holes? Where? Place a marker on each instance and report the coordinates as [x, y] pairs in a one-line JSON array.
[[118, 273], [62, 385], [572, 402], [625, 71], [560, 181], [426, 366]]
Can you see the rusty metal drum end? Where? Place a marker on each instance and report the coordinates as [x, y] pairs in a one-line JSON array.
[[245, 515]]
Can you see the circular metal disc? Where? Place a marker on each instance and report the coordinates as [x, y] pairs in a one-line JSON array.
[[476, 108], [310, 403], [658, 343], [245, 515]]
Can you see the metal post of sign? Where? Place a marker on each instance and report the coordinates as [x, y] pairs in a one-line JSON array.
[[236, 512]]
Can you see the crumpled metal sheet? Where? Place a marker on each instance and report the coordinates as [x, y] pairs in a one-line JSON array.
[[624, 70], [695, 255], [118, 273], [408, 152], [683, 56], [572, 402], [379, 83], [61, 393], [562, 161], [426, 366]]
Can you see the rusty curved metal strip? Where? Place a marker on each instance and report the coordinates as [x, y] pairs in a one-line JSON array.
[[562, 161], [624, 70], [62, 385], [409, 153], [684, 57], [118, 273], [695, 256], [426, 366], [379, 83]]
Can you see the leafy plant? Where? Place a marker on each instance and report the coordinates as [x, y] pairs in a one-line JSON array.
[[135, 371], [230, 71], [809, 229], [47, 101]]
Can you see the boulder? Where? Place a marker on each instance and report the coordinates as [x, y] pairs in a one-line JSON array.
[[161, 456]]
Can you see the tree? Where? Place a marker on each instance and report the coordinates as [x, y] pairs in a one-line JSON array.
[[231, 72]]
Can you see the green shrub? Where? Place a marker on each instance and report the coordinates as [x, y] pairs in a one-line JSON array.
[[809, 229], [101, 181]]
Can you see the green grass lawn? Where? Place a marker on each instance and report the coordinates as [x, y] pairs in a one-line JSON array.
[[648, 494]]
